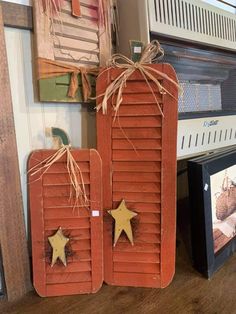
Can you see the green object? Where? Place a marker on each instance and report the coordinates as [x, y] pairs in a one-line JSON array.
[[136, 48], [56, 89], [56, 132]]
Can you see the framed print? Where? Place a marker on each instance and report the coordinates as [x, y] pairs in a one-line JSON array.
[[212, 192]]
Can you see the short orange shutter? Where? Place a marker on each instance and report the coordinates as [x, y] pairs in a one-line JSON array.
[[138, 151], [50, 208]]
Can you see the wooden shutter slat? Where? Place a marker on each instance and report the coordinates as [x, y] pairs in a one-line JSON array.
[[135, 176], [62, 190], [59, 212], [82, 34], [137, 143], [147, 236], [61, 168], [74, 43], [80, 245], [136, 76], [138, 110], [132, 87], [133, 122], [138, 248], [129, 99], [150, 218], [71, 288], [147, 227], [136, 187], [61, 178], [149, 280], [70, 223], [143, 207], [71, 267], [68, 278], [136, 166], [87, 24], [147, 268], [141, 197], [136, 133], [59, 202], [133, 155], [66, 54], [138, 257]]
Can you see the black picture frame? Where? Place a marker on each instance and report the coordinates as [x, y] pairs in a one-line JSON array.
[[200, 170]]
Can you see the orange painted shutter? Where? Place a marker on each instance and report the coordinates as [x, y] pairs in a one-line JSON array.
[[50, 209], [145, 177]]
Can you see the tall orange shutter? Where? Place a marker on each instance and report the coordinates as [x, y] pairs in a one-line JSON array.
[[138, 150]]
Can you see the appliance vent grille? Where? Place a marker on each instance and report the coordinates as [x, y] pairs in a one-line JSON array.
[[201, 135], [193, 20]]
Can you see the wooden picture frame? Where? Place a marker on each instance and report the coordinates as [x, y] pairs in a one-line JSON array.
[[213, 209]]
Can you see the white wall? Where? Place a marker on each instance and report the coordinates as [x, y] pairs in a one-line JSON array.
[[31, 118], [25, 2]]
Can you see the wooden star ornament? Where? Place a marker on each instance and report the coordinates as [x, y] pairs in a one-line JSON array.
[[122, 216], [58, 242]]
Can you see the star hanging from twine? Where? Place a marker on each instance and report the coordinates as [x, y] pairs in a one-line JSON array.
[[58, 242], [122, 216]]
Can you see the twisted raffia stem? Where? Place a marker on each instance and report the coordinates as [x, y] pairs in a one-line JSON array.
[[74, 172], [151, 53]]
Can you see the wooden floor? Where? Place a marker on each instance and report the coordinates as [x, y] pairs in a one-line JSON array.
[[188, 293]]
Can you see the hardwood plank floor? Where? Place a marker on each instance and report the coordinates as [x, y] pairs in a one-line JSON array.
[[188, 293]]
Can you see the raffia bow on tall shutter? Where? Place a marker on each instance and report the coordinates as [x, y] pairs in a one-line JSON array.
[[151, 53]]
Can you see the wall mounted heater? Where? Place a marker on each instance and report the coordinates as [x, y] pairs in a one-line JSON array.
[[200, 42]]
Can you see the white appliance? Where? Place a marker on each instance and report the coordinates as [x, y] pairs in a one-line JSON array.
[[200, 41]]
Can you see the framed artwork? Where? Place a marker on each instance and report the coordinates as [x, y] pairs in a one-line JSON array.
[[212, 191]]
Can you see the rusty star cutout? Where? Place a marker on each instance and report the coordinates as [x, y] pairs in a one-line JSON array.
[[58, 242], [122, 216]]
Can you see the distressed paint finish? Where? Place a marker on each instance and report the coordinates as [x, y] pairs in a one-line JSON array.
[[51, 208], [145, 177], [13, 241], [74, 41]]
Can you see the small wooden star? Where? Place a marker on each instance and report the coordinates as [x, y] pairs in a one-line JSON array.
[[122, 216], [58, 242]]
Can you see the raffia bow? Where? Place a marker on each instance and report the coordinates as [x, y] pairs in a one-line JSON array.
[[49, 68], [74, 173], [151, 53]]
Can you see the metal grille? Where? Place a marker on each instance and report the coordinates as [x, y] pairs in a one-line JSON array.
[[193, 20], [196, 136], [199, 97]]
